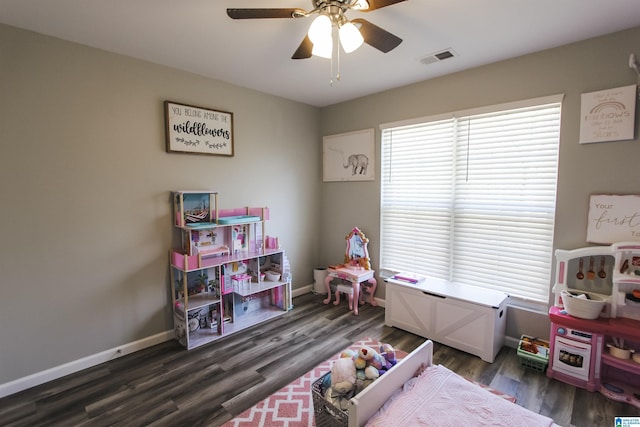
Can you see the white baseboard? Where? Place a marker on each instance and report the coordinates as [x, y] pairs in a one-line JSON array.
[[56, 372], [42, 377], [301, 291], [511, 342]]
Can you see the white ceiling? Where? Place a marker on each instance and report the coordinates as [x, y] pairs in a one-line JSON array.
[[198, 36]]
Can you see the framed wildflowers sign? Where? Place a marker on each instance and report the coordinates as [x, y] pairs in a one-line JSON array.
[[198, 130]]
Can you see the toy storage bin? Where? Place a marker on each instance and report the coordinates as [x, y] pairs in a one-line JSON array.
[[326, 414], [536, 361]]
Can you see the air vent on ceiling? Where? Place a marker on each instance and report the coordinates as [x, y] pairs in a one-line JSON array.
[[438, 56]]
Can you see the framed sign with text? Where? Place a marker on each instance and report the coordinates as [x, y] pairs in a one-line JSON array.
[[613, 218], [198, 130], [608, 115]]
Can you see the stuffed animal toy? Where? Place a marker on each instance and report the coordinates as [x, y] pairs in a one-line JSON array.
[[366, 352], [389, 355], [348, 353], [354, 371], [371, 372], [367, 356], [388, 352], [343, 383], [343, 375]]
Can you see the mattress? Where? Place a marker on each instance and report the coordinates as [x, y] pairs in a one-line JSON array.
[[440, 397]]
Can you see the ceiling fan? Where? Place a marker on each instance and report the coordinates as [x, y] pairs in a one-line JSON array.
[[331, 14]]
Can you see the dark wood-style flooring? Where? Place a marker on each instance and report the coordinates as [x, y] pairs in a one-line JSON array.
[[166, 385]]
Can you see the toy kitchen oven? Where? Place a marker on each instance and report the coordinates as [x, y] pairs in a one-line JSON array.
[[598, 350]]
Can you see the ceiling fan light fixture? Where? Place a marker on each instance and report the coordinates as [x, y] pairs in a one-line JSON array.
[[328, 14], [323, 48], [320, 29], [361, 5], [350, 37]]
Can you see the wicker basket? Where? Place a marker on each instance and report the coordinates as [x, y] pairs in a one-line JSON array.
[[584, 308], [326, 414]]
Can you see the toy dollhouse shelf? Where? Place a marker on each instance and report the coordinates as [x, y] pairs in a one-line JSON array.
[[258, 287], [215, 248], [194, 262]]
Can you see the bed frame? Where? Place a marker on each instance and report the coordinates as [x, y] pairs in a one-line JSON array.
[[366, 403]]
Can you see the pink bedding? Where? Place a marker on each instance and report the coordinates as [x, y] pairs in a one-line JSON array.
[[440, 397]]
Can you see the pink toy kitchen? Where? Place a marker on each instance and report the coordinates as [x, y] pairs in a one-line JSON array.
[[595, 320]]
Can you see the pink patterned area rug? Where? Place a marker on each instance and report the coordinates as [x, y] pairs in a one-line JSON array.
[[292, 406]]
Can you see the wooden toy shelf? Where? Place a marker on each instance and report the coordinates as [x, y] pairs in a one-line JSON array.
[[215, 248]]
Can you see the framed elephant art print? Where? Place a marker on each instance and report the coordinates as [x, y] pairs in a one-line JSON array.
[[349, 156]]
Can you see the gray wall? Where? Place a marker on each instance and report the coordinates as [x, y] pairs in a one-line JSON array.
[[596, 64], [85, 179], [86, 223]]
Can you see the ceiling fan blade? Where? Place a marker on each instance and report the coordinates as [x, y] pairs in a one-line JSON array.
[[377, 37], [263, 13], [304, 50], [378, 4]]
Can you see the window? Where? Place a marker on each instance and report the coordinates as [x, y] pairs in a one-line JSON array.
[[470, 197]]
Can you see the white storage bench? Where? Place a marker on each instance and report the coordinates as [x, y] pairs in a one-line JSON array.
[[469, 318]]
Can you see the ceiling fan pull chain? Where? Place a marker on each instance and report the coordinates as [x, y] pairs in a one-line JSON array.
[[331, 71], [338, 66], [338, 59]]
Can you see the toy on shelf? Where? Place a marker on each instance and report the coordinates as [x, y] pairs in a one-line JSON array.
[[356, 270], [195, 208], [241, 281]]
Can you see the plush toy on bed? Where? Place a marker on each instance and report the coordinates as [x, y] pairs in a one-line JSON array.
[[389, 354], [355, 370], [343, 383], [368, 363], [343, 375]]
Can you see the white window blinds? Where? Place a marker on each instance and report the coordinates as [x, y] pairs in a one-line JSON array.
[[471, 198]]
